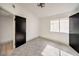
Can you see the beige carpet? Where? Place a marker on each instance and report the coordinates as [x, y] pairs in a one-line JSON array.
[[36, 47]]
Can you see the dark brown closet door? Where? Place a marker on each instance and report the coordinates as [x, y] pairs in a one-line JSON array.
[[20, 31], [74, 31]]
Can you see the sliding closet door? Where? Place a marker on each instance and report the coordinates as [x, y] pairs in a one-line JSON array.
[[20, 31], [74, 31]]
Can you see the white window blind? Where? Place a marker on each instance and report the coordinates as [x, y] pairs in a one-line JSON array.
[[54, 25], [64, 25], [60, 25]]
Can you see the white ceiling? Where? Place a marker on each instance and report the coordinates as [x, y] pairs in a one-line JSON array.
[[4, 12], [49, 9]]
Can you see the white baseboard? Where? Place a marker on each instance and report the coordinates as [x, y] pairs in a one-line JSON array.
[[52, 40], [32, 39]]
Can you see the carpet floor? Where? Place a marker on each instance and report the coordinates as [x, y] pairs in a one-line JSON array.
[[36, 47]]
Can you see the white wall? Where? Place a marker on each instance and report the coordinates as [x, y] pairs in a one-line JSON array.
[[45, 31], [32, 23], [6, 28], [32, 28]]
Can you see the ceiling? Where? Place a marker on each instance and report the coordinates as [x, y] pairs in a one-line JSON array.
[[49, 9], [4, 12]]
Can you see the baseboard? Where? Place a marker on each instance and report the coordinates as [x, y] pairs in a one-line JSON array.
[[48, 39], [33, 38], [53, 40]]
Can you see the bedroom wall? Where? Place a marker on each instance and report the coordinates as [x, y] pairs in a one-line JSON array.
[[45, 27], [55, 36], [32, 23], [6, 28]]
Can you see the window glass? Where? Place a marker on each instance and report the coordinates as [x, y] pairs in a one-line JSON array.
[[60, 25], [64, 25], [54, 25]]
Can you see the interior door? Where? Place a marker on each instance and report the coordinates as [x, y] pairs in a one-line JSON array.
[[74, 31], [20, 31]]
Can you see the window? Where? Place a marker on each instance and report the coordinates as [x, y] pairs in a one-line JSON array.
[[61, 25], [64, 25], [54, 26]]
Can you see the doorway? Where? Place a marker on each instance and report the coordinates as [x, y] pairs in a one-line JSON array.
[[20, 31]]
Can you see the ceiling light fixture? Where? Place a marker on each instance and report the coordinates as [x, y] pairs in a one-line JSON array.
[[41, 5]]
